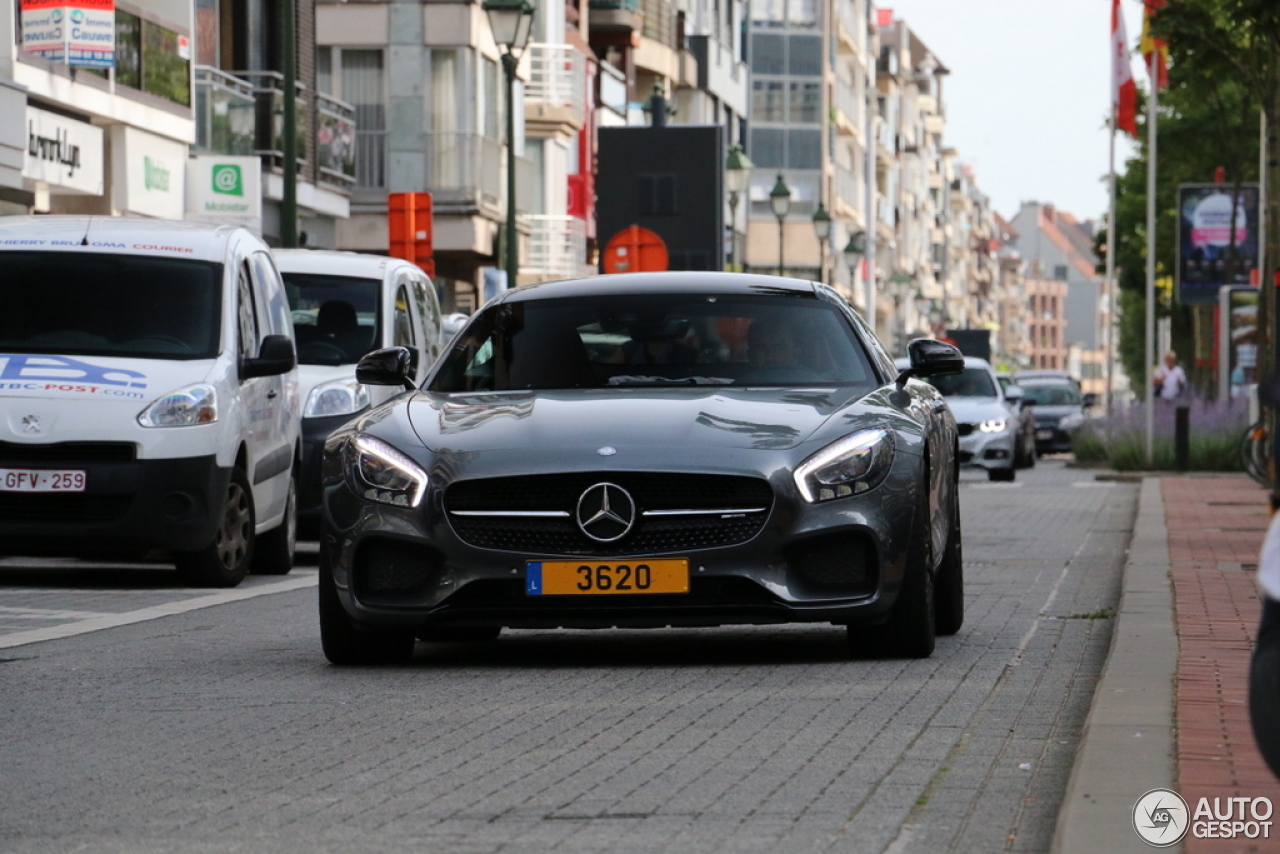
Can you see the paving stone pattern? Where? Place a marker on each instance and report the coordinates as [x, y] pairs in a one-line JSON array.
[[224, 730]]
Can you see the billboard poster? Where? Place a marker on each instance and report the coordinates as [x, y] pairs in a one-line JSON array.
[[1212, 225], [1238, 337], [75, 32]]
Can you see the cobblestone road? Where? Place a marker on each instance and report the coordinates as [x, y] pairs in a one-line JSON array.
[[155, 719]]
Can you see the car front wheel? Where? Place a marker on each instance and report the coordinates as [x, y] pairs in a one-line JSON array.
[[345, 643], [225, 561]]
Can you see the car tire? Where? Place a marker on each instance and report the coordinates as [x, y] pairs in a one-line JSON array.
[[225, 561], [460, 634], [1002, 475], [344, 643], [273, 553], [949, 585], [910, 631], [1032, 453]]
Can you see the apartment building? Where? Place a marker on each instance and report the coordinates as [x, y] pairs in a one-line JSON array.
[[1046, 321]]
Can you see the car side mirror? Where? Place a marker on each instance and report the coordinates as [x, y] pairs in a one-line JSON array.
[[275, 356], [1027, 401], [932, 358], [1014, 394], [388, 366], [1090, 399]]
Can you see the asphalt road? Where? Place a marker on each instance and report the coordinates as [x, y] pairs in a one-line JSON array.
[[139, 716]]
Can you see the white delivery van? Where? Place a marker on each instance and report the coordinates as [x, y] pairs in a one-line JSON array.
[[148, 395], [344, 305]]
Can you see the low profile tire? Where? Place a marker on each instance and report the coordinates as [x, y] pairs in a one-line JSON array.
[[949, 586], [910, 631], [273, 553], [1002, 475], [345, 643], [224, 562], [460, 634]]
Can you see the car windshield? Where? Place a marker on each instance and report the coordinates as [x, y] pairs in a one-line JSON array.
[[655, 340], [90, 304], [335, 318], [1052, 394], [973, 382]]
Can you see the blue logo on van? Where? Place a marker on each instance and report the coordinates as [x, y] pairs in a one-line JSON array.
[[60, 371]]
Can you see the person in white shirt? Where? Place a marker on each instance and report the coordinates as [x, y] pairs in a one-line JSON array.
[[1264, 669], [1171, 380]]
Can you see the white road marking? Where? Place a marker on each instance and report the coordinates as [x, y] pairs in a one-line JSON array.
[[142, 615], [1093, 484]]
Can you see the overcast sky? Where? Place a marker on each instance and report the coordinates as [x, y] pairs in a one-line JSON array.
[[1028, 94]]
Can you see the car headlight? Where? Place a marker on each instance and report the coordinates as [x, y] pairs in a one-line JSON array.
[[994, 425], [1071, 422], [381, 473], [339, 397], [855, 464], [193, 404]]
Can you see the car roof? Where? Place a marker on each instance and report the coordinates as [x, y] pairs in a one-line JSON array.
[[118, 235], [335, 263], [676, 282]]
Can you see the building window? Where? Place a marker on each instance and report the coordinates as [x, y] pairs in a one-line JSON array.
[[1060, 272], [767, 101], [805, 103], [804, 56], [364, 88], [768, 54]]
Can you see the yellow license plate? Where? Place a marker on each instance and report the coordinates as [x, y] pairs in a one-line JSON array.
[[595, 577]]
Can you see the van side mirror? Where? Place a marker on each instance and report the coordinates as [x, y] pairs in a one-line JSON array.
[[275, 356], [1090, 399], [388, 366]]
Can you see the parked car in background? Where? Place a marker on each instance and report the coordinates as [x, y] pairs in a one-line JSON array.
[[343, 305], [1020, 409], [150, 395], [1058, 406], [647, 450], [992, 436]]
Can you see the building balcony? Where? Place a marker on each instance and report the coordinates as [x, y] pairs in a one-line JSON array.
[[614, 16], [335, 142], [557, 248], [268, 137], [225, 113], [850, 110], [850, 199], [555, 96], [466, 173]]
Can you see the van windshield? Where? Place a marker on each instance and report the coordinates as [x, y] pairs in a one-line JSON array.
[[335, 318], [88, 304]]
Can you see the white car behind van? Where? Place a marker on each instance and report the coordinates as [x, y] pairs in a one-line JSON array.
[[344, 305], [148, 395]]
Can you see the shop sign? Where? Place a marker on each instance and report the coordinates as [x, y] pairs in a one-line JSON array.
[[76, 32], [148, 173], [64, 153], [226, 190]]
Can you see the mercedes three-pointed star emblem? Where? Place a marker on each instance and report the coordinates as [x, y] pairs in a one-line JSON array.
[[606, 512]]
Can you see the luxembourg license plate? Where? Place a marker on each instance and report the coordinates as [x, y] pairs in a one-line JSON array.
[[1044, 434], [41, 480], [610, 577]]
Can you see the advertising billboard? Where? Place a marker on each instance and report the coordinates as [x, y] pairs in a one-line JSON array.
[[1238, 341], [75, 32], [1218, 240]]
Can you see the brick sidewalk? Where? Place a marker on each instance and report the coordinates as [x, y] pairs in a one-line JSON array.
[[1215, 529]]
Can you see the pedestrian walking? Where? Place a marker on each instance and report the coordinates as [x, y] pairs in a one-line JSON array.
[[1170, 379], [1264, 670]]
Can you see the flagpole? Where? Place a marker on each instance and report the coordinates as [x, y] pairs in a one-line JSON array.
[[1151, 264], [1109, 335]]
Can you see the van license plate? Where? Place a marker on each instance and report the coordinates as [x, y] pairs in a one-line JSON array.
[[42, 480], [610, 577]]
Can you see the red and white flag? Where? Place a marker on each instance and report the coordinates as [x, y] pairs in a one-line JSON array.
[[1124, 90]]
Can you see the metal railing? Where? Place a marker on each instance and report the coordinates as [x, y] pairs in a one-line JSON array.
[[849, 188], [659, 21], [335, 141], [849, 103], [464, 168], [557, 76], [225, 116], [268, 92], [557, 247], [603, 5]]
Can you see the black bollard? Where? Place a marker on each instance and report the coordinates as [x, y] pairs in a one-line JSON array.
[[1182, 438]]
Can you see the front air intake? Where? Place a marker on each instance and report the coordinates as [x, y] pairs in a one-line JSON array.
[[392, 572]]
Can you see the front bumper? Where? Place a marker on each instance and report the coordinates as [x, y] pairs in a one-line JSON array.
[[129, 506], [1051, 438], [314, 433], [769, 578], [989, 450]]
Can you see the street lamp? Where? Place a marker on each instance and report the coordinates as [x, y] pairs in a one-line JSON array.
[[511, 22], [853, 254], [822, 227], [737, 175], [780, 201]]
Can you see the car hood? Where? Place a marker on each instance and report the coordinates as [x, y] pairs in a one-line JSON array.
[[773, 419], [1054, 414], [975, 410]]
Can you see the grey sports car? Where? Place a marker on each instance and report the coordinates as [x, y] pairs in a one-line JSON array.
[[645, 450]]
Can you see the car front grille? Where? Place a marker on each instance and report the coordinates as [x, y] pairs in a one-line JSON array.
[[674, 512], [69, 452], [53, 508], [844, 562]]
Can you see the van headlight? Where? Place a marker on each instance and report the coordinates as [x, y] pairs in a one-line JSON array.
[[993, 425], [382, 473], [854, 464], [339, 397], [193, 404]]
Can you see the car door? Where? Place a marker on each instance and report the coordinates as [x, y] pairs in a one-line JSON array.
[[271, 420], [430, 321], [406, 323]]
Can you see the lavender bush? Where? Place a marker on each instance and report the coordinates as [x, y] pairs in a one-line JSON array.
[[1119, 440]]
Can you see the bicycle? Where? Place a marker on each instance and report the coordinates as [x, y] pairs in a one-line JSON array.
[[1255, 452]]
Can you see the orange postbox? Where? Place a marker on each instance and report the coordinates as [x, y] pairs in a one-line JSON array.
[[635, 250], [409, 223]]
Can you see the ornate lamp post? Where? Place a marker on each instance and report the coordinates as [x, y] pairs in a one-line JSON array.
[[780, 201], [822, 227], [737, 175], [853, 251], [511, 22]]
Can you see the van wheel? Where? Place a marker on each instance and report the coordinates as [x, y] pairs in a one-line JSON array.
[[345, 643], [225, 561], [273, 553]]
